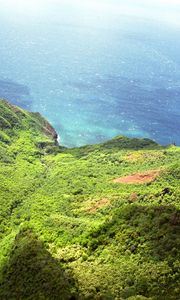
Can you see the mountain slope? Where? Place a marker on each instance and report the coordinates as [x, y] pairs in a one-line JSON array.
[[66, 214]]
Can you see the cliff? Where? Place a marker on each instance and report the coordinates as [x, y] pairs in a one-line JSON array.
[[13, 119]]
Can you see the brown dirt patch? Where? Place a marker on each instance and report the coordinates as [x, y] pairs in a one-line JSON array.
[[134, 156], [101, 203], [138, 178], [149, 155]]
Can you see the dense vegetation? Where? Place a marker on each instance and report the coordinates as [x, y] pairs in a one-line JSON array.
[[68, 231]]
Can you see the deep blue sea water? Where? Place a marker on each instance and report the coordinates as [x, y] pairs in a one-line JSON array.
[[93, 69]]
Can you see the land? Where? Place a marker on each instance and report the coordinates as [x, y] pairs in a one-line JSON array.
[[95, 222]]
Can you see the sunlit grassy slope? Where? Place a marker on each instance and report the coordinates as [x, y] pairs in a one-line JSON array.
[[69, 232]]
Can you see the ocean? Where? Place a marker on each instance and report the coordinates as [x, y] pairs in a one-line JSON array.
[[95, 70]]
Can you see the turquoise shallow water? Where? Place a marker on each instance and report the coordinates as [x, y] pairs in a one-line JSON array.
[[95, 71]]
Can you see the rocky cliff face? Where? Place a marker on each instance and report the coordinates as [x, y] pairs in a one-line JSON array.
[[13, 118], [45, 126], [49, 130]]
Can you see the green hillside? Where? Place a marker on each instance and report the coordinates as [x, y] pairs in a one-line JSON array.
[[96, 222]]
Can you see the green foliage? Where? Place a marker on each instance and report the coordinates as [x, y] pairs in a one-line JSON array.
[[32, 273], [69, 232], [4, 137]]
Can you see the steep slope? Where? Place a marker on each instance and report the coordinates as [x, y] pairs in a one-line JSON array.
[[71, 230]]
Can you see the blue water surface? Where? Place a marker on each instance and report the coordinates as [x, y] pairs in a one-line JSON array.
[[93, 71]]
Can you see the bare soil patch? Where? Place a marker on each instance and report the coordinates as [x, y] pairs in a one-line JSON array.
[[138, 178], [100, 204]]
